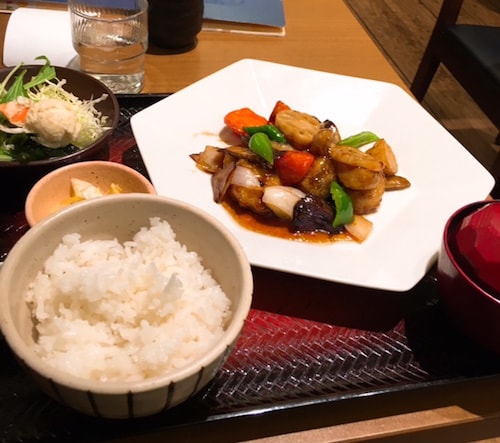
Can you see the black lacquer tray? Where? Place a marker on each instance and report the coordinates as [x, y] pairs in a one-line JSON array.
[[299, 347]]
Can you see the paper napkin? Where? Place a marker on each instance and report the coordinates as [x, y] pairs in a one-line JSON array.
[[33, 32]]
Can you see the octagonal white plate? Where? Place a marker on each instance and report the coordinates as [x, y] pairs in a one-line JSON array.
[[408, 225]]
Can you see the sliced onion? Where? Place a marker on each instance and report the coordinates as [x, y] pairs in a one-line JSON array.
[[282, 199], [359, 228], [245, 177], [11, 130]]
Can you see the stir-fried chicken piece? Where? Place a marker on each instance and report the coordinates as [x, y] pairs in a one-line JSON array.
[[318, 179], [383, 152], [325, 138], [356, 177], [366, 202]]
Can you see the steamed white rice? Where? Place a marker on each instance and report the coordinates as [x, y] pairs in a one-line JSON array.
[[124, 312]]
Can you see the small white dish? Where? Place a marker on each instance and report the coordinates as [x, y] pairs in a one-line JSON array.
[[408, 225]]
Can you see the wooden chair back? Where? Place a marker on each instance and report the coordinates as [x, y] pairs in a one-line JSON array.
[[470, 52]]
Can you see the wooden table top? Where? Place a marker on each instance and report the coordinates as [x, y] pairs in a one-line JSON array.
[[324, 35], [321, 35]]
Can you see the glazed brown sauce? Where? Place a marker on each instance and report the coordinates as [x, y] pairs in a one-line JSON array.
[[276, 227]]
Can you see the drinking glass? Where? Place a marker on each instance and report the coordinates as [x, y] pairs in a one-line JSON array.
[[111, 39]]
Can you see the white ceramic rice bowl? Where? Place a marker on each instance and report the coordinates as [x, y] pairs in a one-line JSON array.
[[121, 216]]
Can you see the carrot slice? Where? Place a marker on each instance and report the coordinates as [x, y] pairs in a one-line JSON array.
[[241, 118], [14, 112], [278, 107]]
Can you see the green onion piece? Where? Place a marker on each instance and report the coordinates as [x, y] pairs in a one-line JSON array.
[[360, 139], [270, 130], [261, 145], [344, 212]]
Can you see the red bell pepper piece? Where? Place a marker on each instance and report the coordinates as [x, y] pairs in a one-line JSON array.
[[293, 166]]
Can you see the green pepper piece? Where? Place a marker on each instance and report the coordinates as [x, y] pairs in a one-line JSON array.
[[261, 145], [271, 131], [360, 139], [344, 212]]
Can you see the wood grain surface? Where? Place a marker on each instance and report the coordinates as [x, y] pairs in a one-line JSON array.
[[401, 30]]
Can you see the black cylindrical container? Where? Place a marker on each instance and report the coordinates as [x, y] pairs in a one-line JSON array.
[[174, 24]]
